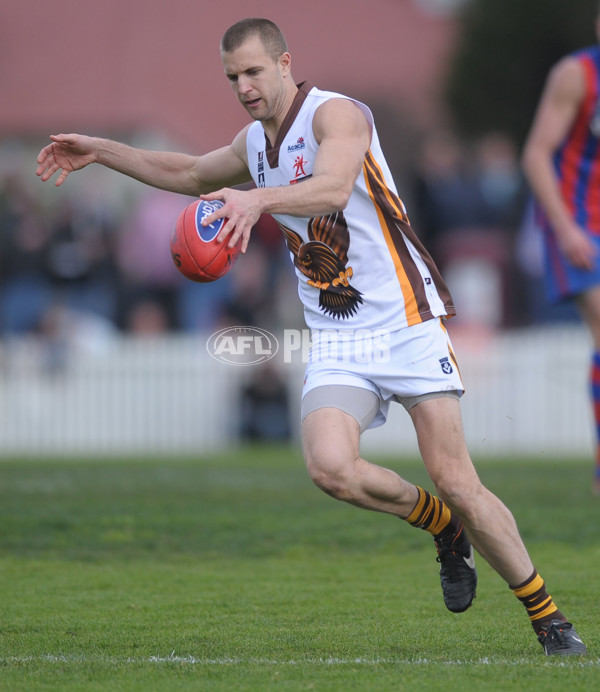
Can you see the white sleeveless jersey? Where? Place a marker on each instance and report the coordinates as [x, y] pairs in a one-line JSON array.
[[362, 267]]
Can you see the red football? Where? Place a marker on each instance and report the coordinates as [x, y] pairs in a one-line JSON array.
[[194, 248]]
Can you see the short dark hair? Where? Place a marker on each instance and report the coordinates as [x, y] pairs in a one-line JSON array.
[[269, 33]]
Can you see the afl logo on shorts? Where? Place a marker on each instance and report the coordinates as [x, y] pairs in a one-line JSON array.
[[208, 233], [447, 368]]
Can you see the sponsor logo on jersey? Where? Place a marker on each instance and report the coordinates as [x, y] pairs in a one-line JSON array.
[[299, 180], [298, 146], [300, 173], [261, 169], [299, 165]]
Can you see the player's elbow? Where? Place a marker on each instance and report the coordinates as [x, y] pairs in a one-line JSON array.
[[534, 156], [339, 196]]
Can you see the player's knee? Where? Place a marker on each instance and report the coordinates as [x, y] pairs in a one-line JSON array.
[[332, 484], [330, 474], [463, 498]]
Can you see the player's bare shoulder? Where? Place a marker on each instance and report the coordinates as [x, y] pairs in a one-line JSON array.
[[566, 80], [341, 114], [238, 145]]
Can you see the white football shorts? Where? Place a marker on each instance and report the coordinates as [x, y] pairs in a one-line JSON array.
[[406, 366]]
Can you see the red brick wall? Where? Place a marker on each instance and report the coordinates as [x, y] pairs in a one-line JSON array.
[[120, 65]]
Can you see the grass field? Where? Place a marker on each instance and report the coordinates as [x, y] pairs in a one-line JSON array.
[[235, 573]]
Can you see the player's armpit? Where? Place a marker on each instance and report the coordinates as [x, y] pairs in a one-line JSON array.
[[224, 167]]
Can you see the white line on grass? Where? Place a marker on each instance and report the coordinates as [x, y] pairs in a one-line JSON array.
[[192, 660]]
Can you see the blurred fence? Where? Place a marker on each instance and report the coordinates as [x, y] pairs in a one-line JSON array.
[[526, 394]]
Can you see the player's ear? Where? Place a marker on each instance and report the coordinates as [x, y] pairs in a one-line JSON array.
[[285, 63]]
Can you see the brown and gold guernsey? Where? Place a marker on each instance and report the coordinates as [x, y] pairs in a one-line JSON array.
[[362, 267]]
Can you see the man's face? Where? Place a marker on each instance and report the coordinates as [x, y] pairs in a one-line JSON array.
[[257, 79]]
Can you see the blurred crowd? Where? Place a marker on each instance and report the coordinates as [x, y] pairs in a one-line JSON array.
[[90, 261], [474, 212], [75, 262]]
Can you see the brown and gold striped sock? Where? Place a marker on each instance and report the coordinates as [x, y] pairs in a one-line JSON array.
[[431, 514], [538, 603]]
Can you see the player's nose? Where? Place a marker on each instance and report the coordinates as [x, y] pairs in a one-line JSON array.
[[244, 85]]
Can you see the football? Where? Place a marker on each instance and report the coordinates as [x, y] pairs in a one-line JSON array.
[[194, 248]]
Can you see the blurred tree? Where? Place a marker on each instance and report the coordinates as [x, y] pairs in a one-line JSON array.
[[502, 60]]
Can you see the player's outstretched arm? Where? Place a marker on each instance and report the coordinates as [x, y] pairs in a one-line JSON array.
[[176, 172]]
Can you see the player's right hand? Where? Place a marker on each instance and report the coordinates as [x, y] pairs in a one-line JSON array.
[[66, 153], [241, 209]]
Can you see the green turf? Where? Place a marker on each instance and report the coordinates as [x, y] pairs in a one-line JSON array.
[[234, 573]]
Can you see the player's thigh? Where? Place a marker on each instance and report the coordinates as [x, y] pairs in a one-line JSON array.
[[441, 439], [589, 307], [330, 439], [333, 418]]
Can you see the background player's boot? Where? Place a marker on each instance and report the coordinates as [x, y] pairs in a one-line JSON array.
[[457, 569], [560, 639]]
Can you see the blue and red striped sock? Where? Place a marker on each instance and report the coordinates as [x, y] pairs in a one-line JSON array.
[[595, 387]]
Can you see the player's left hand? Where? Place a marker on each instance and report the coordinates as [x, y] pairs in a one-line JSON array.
[[242, 211], [578, 247]]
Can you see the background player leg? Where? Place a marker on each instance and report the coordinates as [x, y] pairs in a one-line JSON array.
[[589, 306]]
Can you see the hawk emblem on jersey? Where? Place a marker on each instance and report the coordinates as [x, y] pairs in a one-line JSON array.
[[323, 261]]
